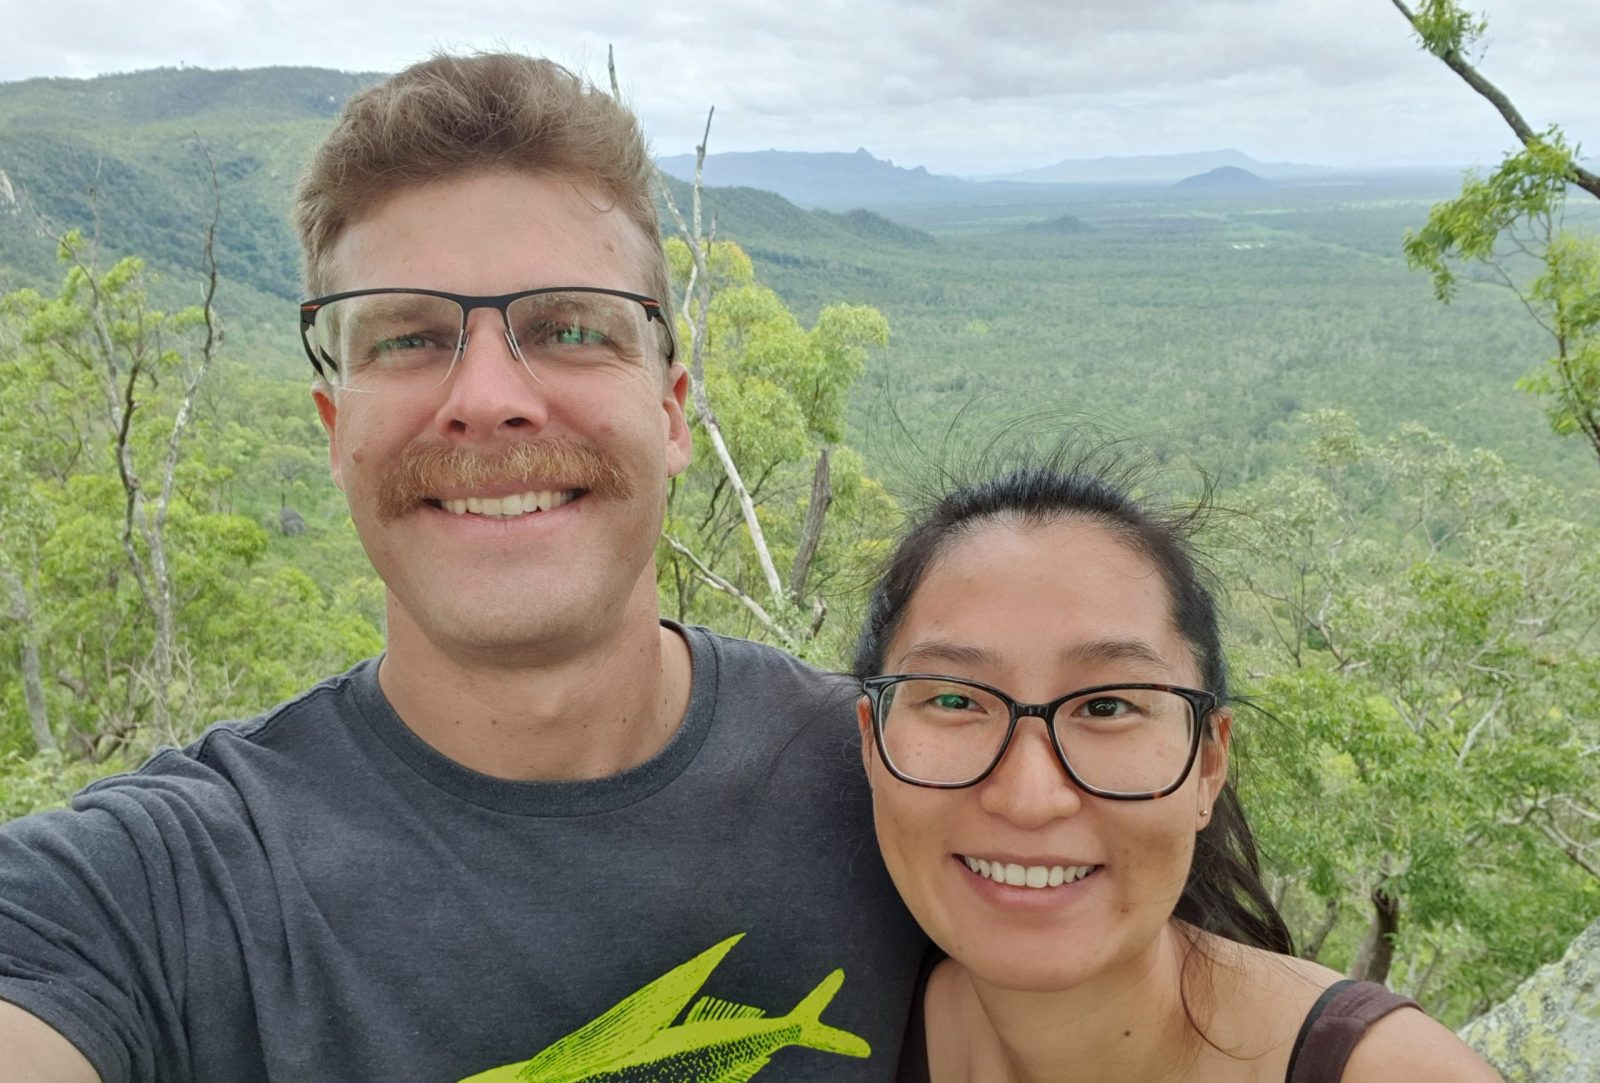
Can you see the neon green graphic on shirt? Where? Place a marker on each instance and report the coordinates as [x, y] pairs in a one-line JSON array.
[[717, 1042]]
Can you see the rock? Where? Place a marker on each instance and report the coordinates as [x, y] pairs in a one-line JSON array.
[[1548, 1031]]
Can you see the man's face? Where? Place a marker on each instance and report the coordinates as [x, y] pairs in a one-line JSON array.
[[599, 446]]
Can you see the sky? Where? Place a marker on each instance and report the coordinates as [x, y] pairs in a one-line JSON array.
[[969, 87]]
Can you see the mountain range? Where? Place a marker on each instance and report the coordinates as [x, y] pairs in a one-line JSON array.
[[837, 180]]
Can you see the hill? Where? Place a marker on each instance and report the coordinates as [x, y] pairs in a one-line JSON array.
[[1213, 326], [1158, 169], [1224, 176], [125, 151]]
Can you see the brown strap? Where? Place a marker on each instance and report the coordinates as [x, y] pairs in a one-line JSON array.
[[1333, 1026]]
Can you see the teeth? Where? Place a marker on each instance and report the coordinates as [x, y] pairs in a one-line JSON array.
[[1034, 876], [508, 507]]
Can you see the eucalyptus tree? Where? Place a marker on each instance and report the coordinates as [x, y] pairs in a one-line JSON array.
[[1513, 219], [1426, 776]]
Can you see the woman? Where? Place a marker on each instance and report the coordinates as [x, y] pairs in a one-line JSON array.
[[1045, 728]]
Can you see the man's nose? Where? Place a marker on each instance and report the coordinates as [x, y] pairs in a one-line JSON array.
[[490, 389], [1029, 787]]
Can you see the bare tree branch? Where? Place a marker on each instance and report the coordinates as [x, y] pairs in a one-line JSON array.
[[712, 579]]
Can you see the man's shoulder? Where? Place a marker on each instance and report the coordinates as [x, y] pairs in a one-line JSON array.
[[743, 659], [238, 755]]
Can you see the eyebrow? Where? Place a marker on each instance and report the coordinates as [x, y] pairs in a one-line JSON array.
[[933, 650], [1115, 650], [1099, 650]]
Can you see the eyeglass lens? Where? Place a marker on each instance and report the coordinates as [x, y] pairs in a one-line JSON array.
[[1121, 740], [411, 341]]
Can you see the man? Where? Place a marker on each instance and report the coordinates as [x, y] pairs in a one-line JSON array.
[[546, 836]]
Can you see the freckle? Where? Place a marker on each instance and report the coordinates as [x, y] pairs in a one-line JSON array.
[[1127, 1034]]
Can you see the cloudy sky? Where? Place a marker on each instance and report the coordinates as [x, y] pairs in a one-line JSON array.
[[961, 86]]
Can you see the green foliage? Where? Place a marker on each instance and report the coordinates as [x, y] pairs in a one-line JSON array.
[[1445, 28], [780, 394], [30, 784], [86, 371], [1513, 217], [1569, 292], [1529, 186], [1422, 620]]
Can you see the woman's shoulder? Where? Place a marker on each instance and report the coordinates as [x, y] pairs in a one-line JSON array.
[[1392, 1037], [1409, 1044]]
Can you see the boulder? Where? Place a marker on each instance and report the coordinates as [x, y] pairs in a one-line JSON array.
[[1548, 1031]]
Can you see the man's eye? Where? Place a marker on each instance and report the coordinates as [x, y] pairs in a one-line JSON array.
[[953, 701], [577, 335], [400, 342]]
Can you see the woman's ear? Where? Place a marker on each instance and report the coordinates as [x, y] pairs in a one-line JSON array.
[[1214, 743], [864, 721]]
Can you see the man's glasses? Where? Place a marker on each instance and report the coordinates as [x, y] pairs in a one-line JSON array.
[[1128, 742], [399, 340]]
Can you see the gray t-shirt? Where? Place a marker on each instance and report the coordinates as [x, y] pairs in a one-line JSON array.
[[316, 894]]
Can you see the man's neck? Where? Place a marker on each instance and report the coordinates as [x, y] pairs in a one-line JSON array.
[[586, 714]]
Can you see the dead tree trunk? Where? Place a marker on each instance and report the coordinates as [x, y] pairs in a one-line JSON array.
[[1377, 949], [44, 739]]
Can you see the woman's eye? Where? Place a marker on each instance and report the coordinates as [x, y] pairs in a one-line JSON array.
[[953, 701], [1106, 708]]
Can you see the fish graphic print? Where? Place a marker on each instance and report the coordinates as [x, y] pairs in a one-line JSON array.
[[637, 1041]]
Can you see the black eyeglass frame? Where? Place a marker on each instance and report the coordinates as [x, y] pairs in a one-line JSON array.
[[469, 303], [1201, 704]]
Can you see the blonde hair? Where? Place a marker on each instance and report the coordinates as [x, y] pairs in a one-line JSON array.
[[453, 116]]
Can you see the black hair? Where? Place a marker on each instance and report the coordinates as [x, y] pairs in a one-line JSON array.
[[1224, 893]]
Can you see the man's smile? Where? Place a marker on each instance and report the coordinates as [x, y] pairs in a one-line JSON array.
[[510, 506]]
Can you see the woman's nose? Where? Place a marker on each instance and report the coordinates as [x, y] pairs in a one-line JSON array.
[[1029, 786]]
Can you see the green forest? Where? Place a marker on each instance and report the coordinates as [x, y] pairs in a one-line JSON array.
[[1405, 523]]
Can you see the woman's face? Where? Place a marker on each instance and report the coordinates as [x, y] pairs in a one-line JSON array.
[[1040, 611]]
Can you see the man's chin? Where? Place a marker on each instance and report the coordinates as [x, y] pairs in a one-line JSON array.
[[493, 629]]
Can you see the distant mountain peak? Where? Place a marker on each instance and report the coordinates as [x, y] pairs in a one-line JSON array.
[[1158, 168], [1224, 176]]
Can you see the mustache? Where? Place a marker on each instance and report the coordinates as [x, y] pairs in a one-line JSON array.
[[423, 470]]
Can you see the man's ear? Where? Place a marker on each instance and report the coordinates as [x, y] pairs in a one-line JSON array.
[[328, 411], [674, 402], [1214, 745]]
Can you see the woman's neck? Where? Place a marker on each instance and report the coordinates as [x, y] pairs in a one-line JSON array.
[[1129, 1025]]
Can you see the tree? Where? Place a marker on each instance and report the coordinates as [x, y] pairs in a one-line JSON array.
[[1424, 780], [141, 607], [1512, 219], [767, 396], [783, 491]]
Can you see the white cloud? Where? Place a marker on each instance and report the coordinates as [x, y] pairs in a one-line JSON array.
[[958, 85]]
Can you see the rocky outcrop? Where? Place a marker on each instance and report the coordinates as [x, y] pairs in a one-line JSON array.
[[1548, 1031], [8, 195]]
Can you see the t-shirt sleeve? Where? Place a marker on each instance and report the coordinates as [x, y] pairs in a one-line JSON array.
[[87, 937]]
